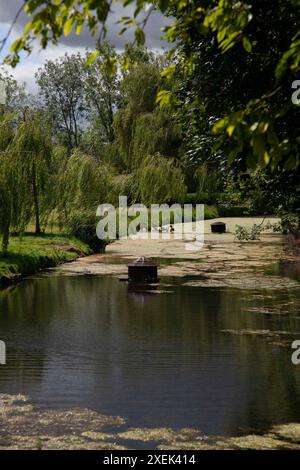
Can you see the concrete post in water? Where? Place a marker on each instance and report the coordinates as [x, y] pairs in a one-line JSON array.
[[142, 271], [218, 227]]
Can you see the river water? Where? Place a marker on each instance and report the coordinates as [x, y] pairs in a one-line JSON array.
[[157, 359]]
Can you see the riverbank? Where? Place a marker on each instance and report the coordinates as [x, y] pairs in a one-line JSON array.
[[223, 261], [25, 427], [220, 262], [30, 254]]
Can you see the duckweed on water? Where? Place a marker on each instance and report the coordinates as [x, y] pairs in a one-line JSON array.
[[26, 427]]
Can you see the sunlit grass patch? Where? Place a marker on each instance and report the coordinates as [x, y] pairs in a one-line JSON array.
[[29, 253]]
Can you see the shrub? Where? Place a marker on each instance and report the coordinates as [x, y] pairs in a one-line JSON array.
[[211, 212], [253, 233], [290, 222], [204, 198], [233, 211], [82, 225]]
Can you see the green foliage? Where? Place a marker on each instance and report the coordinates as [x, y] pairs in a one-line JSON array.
[[234, 211], [160, 181], [82, 225], [15, 94], [253, 121], [253, 189], [29, 254], [232, 26], [123, 185], [254, 232], [141, 128], [229, 19], [84, 184], [210, 212], [217, 205], [204, 198], [206, 179], [15, 200], [289, 222], [6, 130], [101, 89], [155, 132], [61, 88], [245, 234], [32, 151]]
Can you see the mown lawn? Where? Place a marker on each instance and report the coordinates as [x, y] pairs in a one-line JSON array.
[[31, 253]]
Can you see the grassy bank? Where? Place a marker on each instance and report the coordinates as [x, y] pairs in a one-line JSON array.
[[29, 254]]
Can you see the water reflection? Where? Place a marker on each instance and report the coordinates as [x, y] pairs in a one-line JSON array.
[[158, 359], [289, 269]]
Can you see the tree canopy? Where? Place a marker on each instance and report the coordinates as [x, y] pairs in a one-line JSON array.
[[232, 25]]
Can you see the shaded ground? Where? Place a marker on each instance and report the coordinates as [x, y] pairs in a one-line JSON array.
[[24, 427]]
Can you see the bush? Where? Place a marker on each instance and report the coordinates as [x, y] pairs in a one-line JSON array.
[[233, 211], [204, 198], [211, 212], [253, 233], [82, 225], [290, 222]]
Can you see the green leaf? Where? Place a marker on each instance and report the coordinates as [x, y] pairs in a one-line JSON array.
[[230, 130], [139, 36], [92, 57], [68, 26], [79, 28], [163, 98], [247, 44]]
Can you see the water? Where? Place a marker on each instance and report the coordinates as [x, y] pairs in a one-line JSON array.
[[157, 359]]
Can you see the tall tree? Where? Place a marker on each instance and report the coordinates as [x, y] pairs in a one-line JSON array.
[[138, 96], [14, 95], [251, 111], [13, 192], [102, 95], [6, 178], [84, 184], [61, 87], [32, 148]]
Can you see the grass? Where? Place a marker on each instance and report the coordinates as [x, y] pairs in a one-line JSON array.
[[31, 253]]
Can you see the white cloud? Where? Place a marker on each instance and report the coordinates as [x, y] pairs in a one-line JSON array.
[[25, 71]]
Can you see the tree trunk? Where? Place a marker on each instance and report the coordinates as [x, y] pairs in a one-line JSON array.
[[5, 237], [36, 202]]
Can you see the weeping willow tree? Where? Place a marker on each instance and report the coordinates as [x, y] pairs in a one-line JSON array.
[[13, 194], [32, 149], [123, 185], [6, 198], [206, 179], [155, 132], [6, 179], [139, 89], [160, 181], [85, 184]]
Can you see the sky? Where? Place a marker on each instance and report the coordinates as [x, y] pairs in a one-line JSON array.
[[26, 69]]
